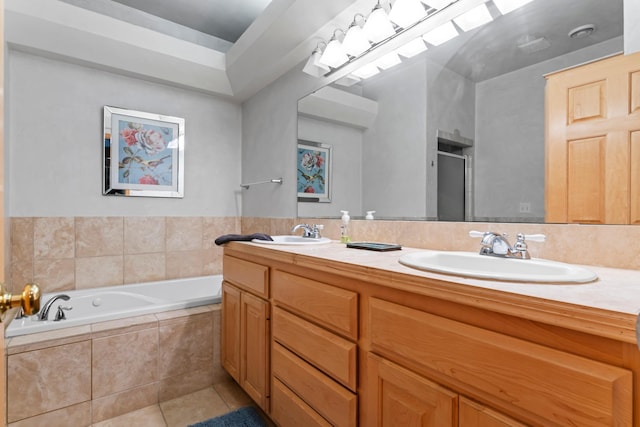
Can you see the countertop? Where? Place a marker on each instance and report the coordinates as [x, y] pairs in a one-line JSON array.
[[608, 306]]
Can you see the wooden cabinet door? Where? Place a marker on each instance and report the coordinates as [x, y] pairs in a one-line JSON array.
[[230, 331], [473, 414], [254, 354], [399, 397], [592, 123]]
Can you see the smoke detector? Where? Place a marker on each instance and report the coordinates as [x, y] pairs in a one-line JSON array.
[[582, 31]]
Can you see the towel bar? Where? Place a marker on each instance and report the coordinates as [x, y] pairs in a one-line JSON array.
[[274, 180]]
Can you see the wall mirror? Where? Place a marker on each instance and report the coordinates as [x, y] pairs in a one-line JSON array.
[[462, 121]]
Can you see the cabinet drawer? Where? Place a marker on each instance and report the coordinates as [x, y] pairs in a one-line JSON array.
[[247, 275], [333, 355], [288, 410], [335, 308], [334, 402], [555, 387]]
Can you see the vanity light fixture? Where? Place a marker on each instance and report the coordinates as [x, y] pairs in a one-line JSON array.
[[366, 71], [314, 67], [506, 6], [412, 48], [355, 42], [387, 61], [473, 18], [405, 13], [375, 36], [334, 54], [441, 34], [378, 27]]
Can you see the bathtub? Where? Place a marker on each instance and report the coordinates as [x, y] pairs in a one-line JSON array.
[[117, 302]]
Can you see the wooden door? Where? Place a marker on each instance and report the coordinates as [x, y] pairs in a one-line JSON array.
[[473, 414], [254, 354], [3, 375], [399, 397], [592, 143], [230, 330]]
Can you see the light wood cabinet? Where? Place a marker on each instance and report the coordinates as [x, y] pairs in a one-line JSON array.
[[592, 143], [314, 351], [245, 334], [346, 352]]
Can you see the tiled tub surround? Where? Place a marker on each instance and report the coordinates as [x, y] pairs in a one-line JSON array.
[[86, 374], [66, 253]]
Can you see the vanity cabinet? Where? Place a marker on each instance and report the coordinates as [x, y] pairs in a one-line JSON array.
[[541, 384], [593, 143], [245, 331], [314, 351]]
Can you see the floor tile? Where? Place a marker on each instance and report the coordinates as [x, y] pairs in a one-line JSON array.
[[194, 407], [233, 395], [151, 416]]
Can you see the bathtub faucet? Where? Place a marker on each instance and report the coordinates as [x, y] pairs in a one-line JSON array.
[[44, 313]]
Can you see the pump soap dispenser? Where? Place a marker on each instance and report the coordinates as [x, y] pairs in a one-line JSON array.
[[344, 227], [369, 215]]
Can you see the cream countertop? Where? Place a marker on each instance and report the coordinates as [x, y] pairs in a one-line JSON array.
[[611, 300]]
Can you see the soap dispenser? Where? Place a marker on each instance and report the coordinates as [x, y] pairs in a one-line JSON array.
[[369, 215], [344, 227]]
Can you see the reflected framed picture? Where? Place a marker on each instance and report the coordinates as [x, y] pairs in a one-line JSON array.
[[314, 171], [143, 154]]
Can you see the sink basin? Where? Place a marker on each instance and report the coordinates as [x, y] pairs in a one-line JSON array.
[[293, 240], [472, 264]]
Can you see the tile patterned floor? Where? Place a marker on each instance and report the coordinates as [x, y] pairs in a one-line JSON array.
[[186, 410]]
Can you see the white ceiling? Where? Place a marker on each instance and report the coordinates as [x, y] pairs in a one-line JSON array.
[[277, 35], [225, 19]]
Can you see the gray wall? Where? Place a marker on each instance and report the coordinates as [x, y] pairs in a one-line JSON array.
[[509, 138], [394, 149], [346, 167], [55, 142], [631, 26]]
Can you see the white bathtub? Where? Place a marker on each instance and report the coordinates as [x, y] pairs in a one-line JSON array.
[[117, 302]]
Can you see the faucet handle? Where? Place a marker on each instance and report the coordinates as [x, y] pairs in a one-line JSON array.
[[474, 234], [534, 237]]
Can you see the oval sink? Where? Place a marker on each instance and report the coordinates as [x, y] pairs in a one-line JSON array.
[[293, 240], [471, 264]]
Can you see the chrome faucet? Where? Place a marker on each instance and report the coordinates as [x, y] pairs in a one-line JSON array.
[[44, 313], [310, 231], [494, 244]]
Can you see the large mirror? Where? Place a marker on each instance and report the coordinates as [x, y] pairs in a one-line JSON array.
[[457, 132]]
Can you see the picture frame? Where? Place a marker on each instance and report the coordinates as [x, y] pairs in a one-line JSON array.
[[143, 154], [313, 161]]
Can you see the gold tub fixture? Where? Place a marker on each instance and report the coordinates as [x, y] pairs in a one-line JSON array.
[[28, 300]]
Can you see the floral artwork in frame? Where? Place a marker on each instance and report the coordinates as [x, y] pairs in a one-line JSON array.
[[143, 154], [314, 171]]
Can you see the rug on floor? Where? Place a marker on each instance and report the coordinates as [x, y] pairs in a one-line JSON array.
[[243, 417]]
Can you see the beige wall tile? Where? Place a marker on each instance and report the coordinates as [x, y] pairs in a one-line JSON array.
[[144, 234], [43, 340], [123, 326], [141, 268], [122, 362], [251, 225], [21, 239], [55, 275], [99, 236], [127, 401], [54, 237], [95, 272], [214, 227], [186, 343], [48, 379], [21, 273], [184, 264], [184, 233], [212, 261], [74, 415]]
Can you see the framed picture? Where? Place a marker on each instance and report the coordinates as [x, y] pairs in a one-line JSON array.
[[143, 154], [314, 171]]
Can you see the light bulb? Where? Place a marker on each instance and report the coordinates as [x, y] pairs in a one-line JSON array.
[[506, 6], [334, 54], [355, 42], [407, 12], [378, 27], [473, 18]]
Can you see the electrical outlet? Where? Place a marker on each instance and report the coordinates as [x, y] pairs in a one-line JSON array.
[[525, 207]]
